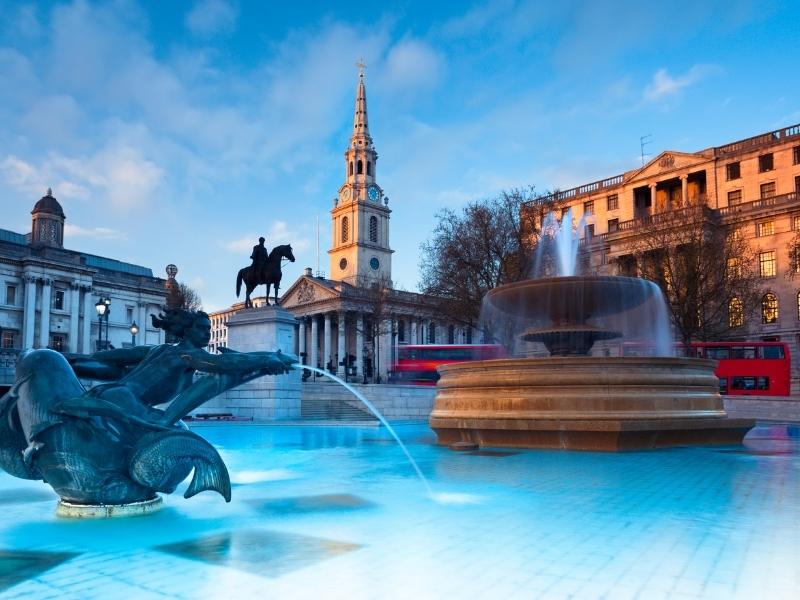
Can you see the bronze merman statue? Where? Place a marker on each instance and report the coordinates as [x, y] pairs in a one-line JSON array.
[[112, 444]]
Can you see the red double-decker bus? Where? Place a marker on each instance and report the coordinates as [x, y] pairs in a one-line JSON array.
[[416, 365], [744, 369]]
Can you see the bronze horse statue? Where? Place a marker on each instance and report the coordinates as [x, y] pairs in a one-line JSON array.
[[270, 274]]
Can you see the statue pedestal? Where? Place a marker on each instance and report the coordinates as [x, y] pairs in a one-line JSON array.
[[71, 510], [271, 397]]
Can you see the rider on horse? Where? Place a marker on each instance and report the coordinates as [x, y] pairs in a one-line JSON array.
[[259, 257]]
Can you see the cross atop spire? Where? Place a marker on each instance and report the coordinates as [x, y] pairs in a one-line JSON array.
[[361, 66]]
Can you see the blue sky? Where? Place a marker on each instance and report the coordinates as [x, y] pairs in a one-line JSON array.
[[181, 131]]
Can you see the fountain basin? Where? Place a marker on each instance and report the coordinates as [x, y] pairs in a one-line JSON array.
[[583, 403]]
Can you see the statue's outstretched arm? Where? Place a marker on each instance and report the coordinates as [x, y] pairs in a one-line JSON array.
[[106, 364], [225, 377]]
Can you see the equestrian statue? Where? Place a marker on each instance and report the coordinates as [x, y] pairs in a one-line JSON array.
[[266, 269]]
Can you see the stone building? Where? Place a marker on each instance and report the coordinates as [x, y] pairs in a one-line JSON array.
[[353, 320], [49, 292], [751, 183]]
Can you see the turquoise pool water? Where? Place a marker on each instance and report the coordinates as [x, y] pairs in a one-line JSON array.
[[333, 512]]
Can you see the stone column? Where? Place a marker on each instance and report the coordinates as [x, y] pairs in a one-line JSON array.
[[340, 349], [74, 312], [44, 320], [88, 314], [684, 190], [653, 205], [29, 320], [326, 342], [360, 344], [314, 342], [412, 336], [301, 341], [141, 321]]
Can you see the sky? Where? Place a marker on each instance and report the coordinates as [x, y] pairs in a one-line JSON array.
[[179, 132]]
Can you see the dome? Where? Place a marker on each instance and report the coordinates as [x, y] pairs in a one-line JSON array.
[[48, 204]]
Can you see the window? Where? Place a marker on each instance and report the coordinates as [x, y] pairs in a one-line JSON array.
[[733, 171], [765, 228], [565, 211], [796, 155], [451, 334], [359, 168], [469, 335], [734, 197], [11, 295], [7, 341], [129, 314], [351, 167], [766, 263], [369, 167], [735, 313], [613, 202], [768, 189], [794, 259], [733, 269], [432, 333], [373, 229], [590, 231], [401, 331], [58, 300], [769, 308], [588, 207], [57, 342], [345, 229], [613, 225], [797, 185], [765, 163]]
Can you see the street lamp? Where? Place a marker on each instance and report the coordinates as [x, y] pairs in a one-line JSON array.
[[134, 329], [103, 307]]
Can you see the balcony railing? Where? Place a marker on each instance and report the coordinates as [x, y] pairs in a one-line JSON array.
[[667, 217], [765, 139], [771, 202], [587, 188]]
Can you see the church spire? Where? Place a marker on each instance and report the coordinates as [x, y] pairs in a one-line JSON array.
[[360, 122]]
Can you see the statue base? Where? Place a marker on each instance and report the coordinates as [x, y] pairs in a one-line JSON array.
[[71, 510]]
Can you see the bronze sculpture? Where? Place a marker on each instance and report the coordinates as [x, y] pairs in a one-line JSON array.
[[111, 444], [269, 274]]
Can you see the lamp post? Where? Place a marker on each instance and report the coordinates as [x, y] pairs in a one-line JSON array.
[[134, 329], [103, 307]]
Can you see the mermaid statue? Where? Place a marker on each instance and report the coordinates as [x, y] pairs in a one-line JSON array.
[[123, 440]]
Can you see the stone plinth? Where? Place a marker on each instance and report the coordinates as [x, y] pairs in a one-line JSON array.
[[71, 510], [272, 397], [583, 403]]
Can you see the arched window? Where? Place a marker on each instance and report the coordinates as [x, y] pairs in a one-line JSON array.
[[735, 313], [769, 308], [345, 229], [432, 333], [351, 167], [373, 229], [359, 168], [369, 167]]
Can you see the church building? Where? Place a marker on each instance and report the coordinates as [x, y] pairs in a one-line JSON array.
[[352, 321]]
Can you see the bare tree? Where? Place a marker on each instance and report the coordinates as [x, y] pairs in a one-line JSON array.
[[488, 243], [793, 250], [181, 295], [705, 269]]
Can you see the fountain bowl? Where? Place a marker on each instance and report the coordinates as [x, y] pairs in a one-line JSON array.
[[583, 403]]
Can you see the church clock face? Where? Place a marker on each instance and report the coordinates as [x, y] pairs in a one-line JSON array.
[[373, 193], [343, 264], [374, 263], [346, 194]]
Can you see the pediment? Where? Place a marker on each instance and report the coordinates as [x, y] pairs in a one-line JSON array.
[[669, 162], [307, 290]]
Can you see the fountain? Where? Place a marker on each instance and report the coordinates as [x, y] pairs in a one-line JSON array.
[[571, 399]]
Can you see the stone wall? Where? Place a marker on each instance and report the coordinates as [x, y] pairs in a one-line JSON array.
[[764, 408], [395, 402], [260, 400]]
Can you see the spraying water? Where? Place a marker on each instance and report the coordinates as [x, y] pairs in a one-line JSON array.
[[378, 416]]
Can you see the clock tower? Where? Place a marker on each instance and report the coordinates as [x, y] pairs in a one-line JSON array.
[[360, 250]]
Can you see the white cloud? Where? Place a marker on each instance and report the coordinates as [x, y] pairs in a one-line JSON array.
[[412, 64], [210, 17], [664, 86], [279, 233], [20, 174], [242, 244], [98, 233]]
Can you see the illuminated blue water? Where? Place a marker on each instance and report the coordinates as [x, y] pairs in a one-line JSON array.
[[325, 512]]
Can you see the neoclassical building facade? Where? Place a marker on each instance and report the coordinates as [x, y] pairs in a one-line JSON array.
[[49, 292], [751, 184], [353, 321]]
